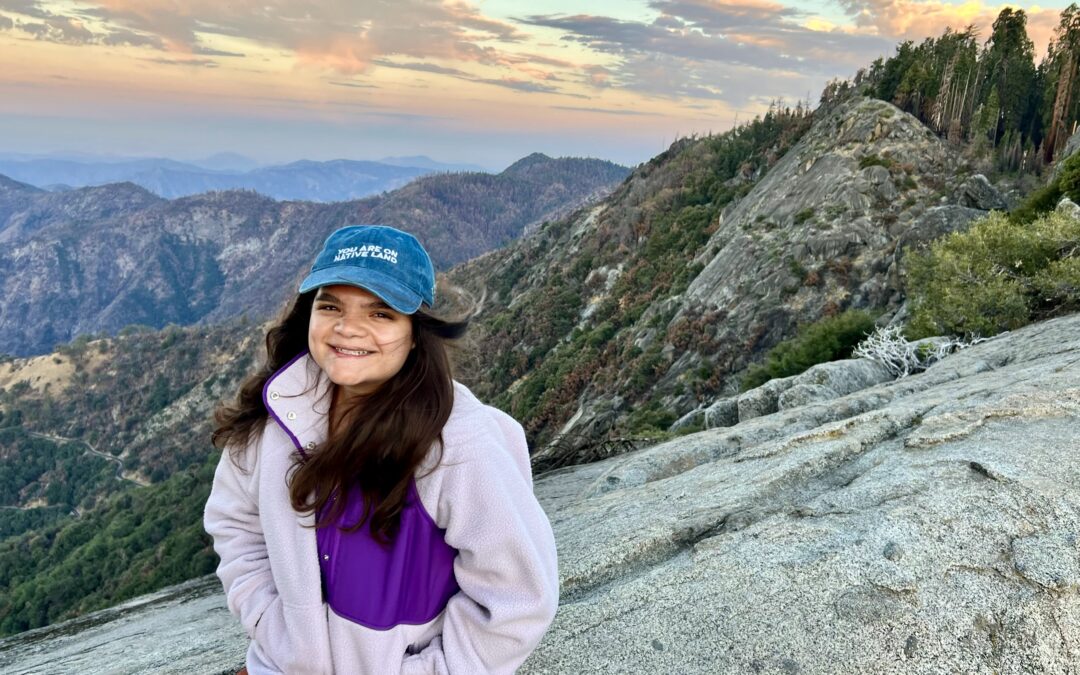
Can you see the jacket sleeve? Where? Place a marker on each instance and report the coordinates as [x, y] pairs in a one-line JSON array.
[[506, 565], [231, 518]]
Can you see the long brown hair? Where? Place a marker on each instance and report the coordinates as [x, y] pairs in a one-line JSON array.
[[378, 452]]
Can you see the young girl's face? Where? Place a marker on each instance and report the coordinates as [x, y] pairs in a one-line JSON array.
[[357, 339]]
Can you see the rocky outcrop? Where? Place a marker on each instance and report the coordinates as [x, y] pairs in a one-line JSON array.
[[822, 231], [1069, 208], [930, 524], [1071, 146], [977, 193], [180, 630], [818, 384], [767, 239], [923, 525]]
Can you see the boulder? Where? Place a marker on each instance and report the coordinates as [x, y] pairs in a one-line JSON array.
[[934, 223], [822, 382], [977, 193], [803, 394], [762, 400], [1069, 208], [723, 413], [1071, 146]]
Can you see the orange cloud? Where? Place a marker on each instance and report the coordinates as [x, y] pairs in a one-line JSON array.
[[919, 19], [343, 54]]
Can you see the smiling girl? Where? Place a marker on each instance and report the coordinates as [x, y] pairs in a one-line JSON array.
[[371, 515]]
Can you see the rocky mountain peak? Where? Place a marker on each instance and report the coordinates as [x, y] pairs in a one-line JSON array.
[[8, 185], [707, 256], [528, 162]]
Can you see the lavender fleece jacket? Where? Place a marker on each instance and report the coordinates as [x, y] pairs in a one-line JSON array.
[[480, 494]]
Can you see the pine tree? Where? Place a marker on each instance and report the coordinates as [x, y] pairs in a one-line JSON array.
[[1059, 73], [1009, 57]]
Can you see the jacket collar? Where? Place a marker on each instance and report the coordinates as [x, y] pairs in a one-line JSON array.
[[298, 397]]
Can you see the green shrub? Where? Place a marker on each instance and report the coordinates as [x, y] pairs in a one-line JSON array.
[[804, 215], [997, 276], [829, 339], [1040, 201], [1043, 200], [1069, 177], [874, 160], [651, 421]]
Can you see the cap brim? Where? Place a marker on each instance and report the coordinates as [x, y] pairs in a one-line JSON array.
[[390, 291]]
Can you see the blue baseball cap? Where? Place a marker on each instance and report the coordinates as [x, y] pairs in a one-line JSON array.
[[386, 261]]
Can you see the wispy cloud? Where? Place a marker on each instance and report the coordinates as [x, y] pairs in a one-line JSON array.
[[519, 85], [197, 63], [62, 29], [30, 8], [353, 85], [341, 35], [208, 51], [540, 81], [918, 19], [604, 111], [699, 49], [421, 67], [762, 36], [123, 36], [70, 29]]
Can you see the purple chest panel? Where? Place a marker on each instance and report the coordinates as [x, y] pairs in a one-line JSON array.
[[379, 587]]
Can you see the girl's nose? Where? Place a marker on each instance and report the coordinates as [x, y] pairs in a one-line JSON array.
[[347, 326]]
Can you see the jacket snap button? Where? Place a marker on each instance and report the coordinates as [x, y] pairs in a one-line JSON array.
[[274, 395], [291, 415], [325, 557], [310, 445]]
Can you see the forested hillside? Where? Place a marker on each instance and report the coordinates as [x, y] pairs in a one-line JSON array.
[[105, 463], [561, 323]]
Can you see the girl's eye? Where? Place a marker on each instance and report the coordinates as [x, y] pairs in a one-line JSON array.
[[325, 307], [381, 315]]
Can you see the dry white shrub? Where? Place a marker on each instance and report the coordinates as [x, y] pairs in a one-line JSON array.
[[888, 346]]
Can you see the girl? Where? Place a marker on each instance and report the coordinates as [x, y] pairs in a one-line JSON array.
[[371, 515]]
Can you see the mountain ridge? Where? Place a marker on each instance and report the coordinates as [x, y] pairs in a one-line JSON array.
[[306, 180], [209, 257], [676, 283]]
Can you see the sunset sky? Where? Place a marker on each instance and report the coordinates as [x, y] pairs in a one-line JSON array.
[[483, 82]]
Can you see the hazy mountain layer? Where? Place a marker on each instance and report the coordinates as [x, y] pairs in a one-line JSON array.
[[107, 257], [332, 181]]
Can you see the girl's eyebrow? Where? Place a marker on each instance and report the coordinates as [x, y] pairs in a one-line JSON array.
[[330, 297]]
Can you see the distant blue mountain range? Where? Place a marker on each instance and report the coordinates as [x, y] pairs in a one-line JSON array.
[[333, 181]]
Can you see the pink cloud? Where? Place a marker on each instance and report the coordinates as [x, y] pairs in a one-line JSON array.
[[341, 35], [919, 19]]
